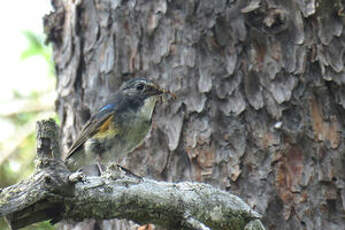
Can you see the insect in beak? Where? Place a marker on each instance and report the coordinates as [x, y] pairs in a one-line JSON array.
[[166, 95]]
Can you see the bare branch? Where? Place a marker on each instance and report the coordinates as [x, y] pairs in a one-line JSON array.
[[51, 193]]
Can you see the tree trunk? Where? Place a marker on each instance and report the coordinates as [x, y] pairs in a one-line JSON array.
[[260, 87]]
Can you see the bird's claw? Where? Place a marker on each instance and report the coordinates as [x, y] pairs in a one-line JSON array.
[[76, 177]]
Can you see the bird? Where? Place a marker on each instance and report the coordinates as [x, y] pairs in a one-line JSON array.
[[116, 128]]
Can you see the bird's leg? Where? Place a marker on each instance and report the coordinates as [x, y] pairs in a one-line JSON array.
[[127, 171], [99, 165]]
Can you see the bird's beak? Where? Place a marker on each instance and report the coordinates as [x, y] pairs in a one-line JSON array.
[[157, 90], [160, 91], [163, 94]]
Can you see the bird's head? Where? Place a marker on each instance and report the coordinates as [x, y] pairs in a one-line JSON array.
[[141, 88], [141, 95]]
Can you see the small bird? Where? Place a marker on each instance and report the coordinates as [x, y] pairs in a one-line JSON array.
[[118, 127]]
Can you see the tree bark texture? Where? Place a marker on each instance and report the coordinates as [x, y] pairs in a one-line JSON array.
[[260, 87]]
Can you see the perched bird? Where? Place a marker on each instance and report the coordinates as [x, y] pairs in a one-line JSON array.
[[118, 127]]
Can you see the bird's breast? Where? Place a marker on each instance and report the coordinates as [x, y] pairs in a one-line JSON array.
[[123, 134]]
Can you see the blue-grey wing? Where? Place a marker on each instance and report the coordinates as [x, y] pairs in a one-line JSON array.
[[99, 123]]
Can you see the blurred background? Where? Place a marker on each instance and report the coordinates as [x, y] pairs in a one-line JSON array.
[[26, 88]]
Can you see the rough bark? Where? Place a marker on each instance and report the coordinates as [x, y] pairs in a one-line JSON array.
[[53, 193], [260, 94]]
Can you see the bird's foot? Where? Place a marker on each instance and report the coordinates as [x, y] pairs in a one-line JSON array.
[[128, 172], [76, 177]]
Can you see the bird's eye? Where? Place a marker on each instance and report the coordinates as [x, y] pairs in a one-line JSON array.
[[140, 87]]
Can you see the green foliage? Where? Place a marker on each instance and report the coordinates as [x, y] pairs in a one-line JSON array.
[[38, 226], [18, 162], [23, 118], [37, 48]]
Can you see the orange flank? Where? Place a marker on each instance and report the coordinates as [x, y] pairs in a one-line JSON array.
[[106, 129]]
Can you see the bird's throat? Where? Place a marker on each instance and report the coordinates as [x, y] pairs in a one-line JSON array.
[[147, 108]]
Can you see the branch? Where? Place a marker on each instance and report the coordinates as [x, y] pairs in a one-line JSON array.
[[53, 193]]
